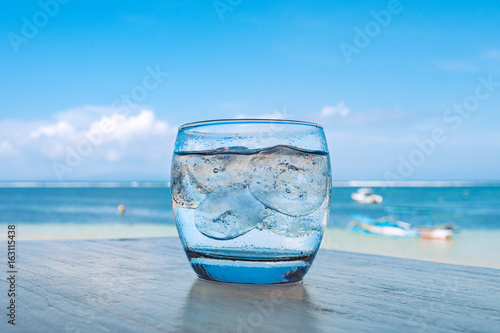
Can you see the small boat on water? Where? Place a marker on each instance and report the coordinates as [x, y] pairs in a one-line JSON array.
[[429, 229], [383, 227], [390, 227], [443, 231], [365, 195]]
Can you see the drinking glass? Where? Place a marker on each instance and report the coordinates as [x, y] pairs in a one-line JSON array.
[[251, 198]]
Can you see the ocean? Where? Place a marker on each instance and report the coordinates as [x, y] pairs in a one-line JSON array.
[[90, 210]]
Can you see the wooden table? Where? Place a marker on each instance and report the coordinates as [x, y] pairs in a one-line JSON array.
[[146, 285]]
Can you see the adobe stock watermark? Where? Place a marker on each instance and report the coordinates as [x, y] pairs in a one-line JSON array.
[[31, 27], [123, 105], [363, 36], [453, 119], [223, 6], [263, 310]]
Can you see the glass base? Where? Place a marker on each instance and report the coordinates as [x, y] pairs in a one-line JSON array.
[[228, 266]]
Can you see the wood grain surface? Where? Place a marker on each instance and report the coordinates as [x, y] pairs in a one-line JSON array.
[[146, 285]]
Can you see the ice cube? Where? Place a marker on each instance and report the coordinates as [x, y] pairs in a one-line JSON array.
[[229, 212], [289, 181], [185, 195], [209, 172], [290, 226]]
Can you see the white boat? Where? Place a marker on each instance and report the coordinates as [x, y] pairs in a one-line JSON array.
[[444, 231], [383, 227], [389, 226], [430, 230], [366, 196]]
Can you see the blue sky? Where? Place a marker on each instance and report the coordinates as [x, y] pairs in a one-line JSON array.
[[67, 74]]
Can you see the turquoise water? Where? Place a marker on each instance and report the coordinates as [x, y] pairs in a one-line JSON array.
[[469, 207], [85, 205]]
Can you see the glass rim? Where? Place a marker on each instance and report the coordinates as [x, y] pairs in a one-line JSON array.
[[245, 120]]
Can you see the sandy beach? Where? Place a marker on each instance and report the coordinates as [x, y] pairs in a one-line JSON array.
[[469, 247]]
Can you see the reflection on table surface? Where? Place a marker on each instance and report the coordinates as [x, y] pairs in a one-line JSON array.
[[247, 308]]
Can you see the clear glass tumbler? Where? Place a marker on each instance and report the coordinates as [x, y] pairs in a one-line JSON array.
[[251, 198]]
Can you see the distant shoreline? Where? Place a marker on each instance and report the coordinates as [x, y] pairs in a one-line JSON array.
[[470, 247], [164, 184]]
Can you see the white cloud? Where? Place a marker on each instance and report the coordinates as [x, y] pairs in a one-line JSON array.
[[464, 66], [60, 129], [487, 61], [126, 128], [113, 156], [5, 148], [82, 116], [493, 54], [339, 109], [135, 144]]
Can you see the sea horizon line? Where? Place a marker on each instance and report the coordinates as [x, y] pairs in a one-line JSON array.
[[166, 184]]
